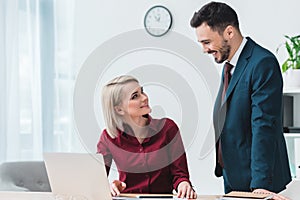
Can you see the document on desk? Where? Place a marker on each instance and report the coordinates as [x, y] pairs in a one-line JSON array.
[[236, 195], [147, 196]]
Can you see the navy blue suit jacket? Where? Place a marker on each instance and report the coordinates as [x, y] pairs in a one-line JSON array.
[[249, 121]]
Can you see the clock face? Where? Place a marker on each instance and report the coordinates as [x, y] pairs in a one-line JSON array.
[[158, 21]]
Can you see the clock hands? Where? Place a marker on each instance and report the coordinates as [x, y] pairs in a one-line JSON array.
[[158, 21], [157, 17]]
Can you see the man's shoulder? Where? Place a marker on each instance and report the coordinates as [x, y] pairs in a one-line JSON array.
[[258, 49]]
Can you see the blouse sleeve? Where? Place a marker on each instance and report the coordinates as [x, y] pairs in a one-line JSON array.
[[102, 148], [179, 167]]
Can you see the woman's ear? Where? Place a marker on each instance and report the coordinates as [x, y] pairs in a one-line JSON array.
[[119, 110]]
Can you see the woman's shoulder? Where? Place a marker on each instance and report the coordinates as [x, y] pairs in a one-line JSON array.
[[170, 121], [105, 135], [168, 128], [164, 122]]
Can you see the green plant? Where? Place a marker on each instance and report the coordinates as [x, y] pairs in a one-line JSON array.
[[292, 46]]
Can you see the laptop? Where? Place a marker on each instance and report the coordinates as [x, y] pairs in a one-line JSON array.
[[82, 176], [79, 176]]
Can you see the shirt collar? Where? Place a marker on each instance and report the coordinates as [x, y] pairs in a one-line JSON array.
[[153, 124], [237, 54]]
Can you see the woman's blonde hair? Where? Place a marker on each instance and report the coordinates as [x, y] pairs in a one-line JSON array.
[[112, 97]]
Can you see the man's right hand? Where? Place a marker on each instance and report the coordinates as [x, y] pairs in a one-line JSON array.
[[117, 187]]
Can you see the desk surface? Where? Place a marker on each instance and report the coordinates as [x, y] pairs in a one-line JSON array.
[[50, 196], [26, 196]]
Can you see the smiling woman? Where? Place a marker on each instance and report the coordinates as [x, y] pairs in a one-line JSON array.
[[148, 152]]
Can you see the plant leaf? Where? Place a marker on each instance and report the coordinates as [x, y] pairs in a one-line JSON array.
[[292, 45], [284, 66]]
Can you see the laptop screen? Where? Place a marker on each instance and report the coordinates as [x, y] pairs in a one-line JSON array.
[[79, 175]]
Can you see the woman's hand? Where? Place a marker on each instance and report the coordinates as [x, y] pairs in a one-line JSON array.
[[185, 190], [275, 196], [116, 187]]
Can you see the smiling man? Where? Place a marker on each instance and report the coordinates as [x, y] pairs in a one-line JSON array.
[[251, 152]]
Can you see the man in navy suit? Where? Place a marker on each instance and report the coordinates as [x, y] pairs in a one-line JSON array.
[[251, 152]]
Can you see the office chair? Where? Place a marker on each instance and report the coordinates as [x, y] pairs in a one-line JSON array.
[[24, 176]]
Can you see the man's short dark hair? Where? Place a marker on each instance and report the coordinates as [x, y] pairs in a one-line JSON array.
[[216, 15]]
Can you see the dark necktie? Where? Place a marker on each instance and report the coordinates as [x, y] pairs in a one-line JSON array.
[[227, 77]]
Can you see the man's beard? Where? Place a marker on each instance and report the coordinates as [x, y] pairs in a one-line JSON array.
[[224, 52]]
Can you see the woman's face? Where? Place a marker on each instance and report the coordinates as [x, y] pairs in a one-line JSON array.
[[135, 101]]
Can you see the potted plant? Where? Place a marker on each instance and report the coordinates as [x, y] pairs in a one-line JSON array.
[[291, 66]]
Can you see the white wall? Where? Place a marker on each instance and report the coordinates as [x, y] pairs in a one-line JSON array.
[[96, 21]]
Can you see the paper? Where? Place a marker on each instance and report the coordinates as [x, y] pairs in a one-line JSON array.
[[236, 195]]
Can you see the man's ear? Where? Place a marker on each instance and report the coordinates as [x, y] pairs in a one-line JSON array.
[[119, 110], [229, 32]]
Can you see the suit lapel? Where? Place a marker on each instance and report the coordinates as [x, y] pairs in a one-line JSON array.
[[216, 112], [240, 67]]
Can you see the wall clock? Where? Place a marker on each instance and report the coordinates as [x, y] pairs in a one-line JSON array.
[[158, 21]]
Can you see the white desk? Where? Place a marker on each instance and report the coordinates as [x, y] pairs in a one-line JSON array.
[[50, 196], [26, 196]]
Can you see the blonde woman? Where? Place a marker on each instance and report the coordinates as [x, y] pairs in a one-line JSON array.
[[148, 153]]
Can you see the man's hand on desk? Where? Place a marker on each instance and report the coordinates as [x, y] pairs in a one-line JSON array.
[[275, 196], [185, 190], [117, 187]]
